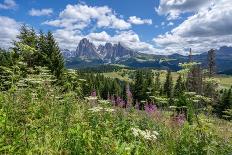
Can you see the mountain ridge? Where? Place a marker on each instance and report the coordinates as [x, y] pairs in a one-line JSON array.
[[87, 55]]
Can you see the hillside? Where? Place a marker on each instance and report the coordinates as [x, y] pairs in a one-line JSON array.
[[88, 55]]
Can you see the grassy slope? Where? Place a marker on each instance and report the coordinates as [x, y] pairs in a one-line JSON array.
[[225, 80]]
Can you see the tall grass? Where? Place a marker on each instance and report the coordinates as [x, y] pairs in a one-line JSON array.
[[39, 119]]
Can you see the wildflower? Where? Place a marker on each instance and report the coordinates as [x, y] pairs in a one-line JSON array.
[[113, 100], [150, 108], [135, 132], [94, 94], [104, 102], [98, 109], [109, 110], [121, 103], [180, 119], [137, 105], [129, 96], [95, 109], [146, 134]]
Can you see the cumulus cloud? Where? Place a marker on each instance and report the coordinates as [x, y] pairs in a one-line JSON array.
[[8, 4], [173, 8], [206, 29], [138, 21], [9, 29], [40, 12], [80, 16], [69, 39]]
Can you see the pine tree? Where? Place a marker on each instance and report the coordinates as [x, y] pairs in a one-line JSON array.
[[194, 82], [43, 54], [179, 87], [138, 86], [27, 36], [225, 102], [157, 85], [168, 85], [55, 56], [26, 46], [148, 86]]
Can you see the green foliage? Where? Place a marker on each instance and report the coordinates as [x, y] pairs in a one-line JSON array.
[[38, 118], [38, 50], [179, 87], [168, 85], [225, 104]]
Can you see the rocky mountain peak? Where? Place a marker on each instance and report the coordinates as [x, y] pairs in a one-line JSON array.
[[106, 52], [86, 49]]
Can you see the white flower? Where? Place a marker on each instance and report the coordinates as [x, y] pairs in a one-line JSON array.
[[109, 110], [155, 133], [146, 134], [95, 109]]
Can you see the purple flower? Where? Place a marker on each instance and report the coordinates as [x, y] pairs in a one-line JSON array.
[[121, 104], [150, 108], [93, 93], [137, 105], [113, 100], [129, 96], [180, 119]]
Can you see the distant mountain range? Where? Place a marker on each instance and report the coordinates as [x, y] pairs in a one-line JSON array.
[[88, 55]]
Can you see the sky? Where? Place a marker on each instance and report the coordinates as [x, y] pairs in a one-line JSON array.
[[149, 26]]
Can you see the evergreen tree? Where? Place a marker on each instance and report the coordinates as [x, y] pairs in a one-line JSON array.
[[55, 56], [138, 86], [157, 85], [26, 46], [179, 87], [148, 85], [5, 58], [194, 81], [168, 85], [43, 54], [27, 36], [225, 102]]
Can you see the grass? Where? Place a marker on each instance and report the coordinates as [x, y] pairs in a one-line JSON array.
[[121, 75], [225, 81], [42, 120]]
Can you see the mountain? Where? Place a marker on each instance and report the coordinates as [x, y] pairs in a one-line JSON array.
[[86, 49], [67, 53], [88, 55], [107, 52], [112, 53]]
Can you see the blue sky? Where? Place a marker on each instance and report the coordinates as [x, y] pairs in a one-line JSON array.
[[151, 26]]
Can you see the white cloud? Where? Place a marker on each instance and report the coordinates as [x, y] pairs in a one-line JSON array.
[[173, 8], [138, 21], [9, 29], [80, 16], [210, 28], [170, 24], [99, 37], [8, 4], [40, 12], [69, 39]]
